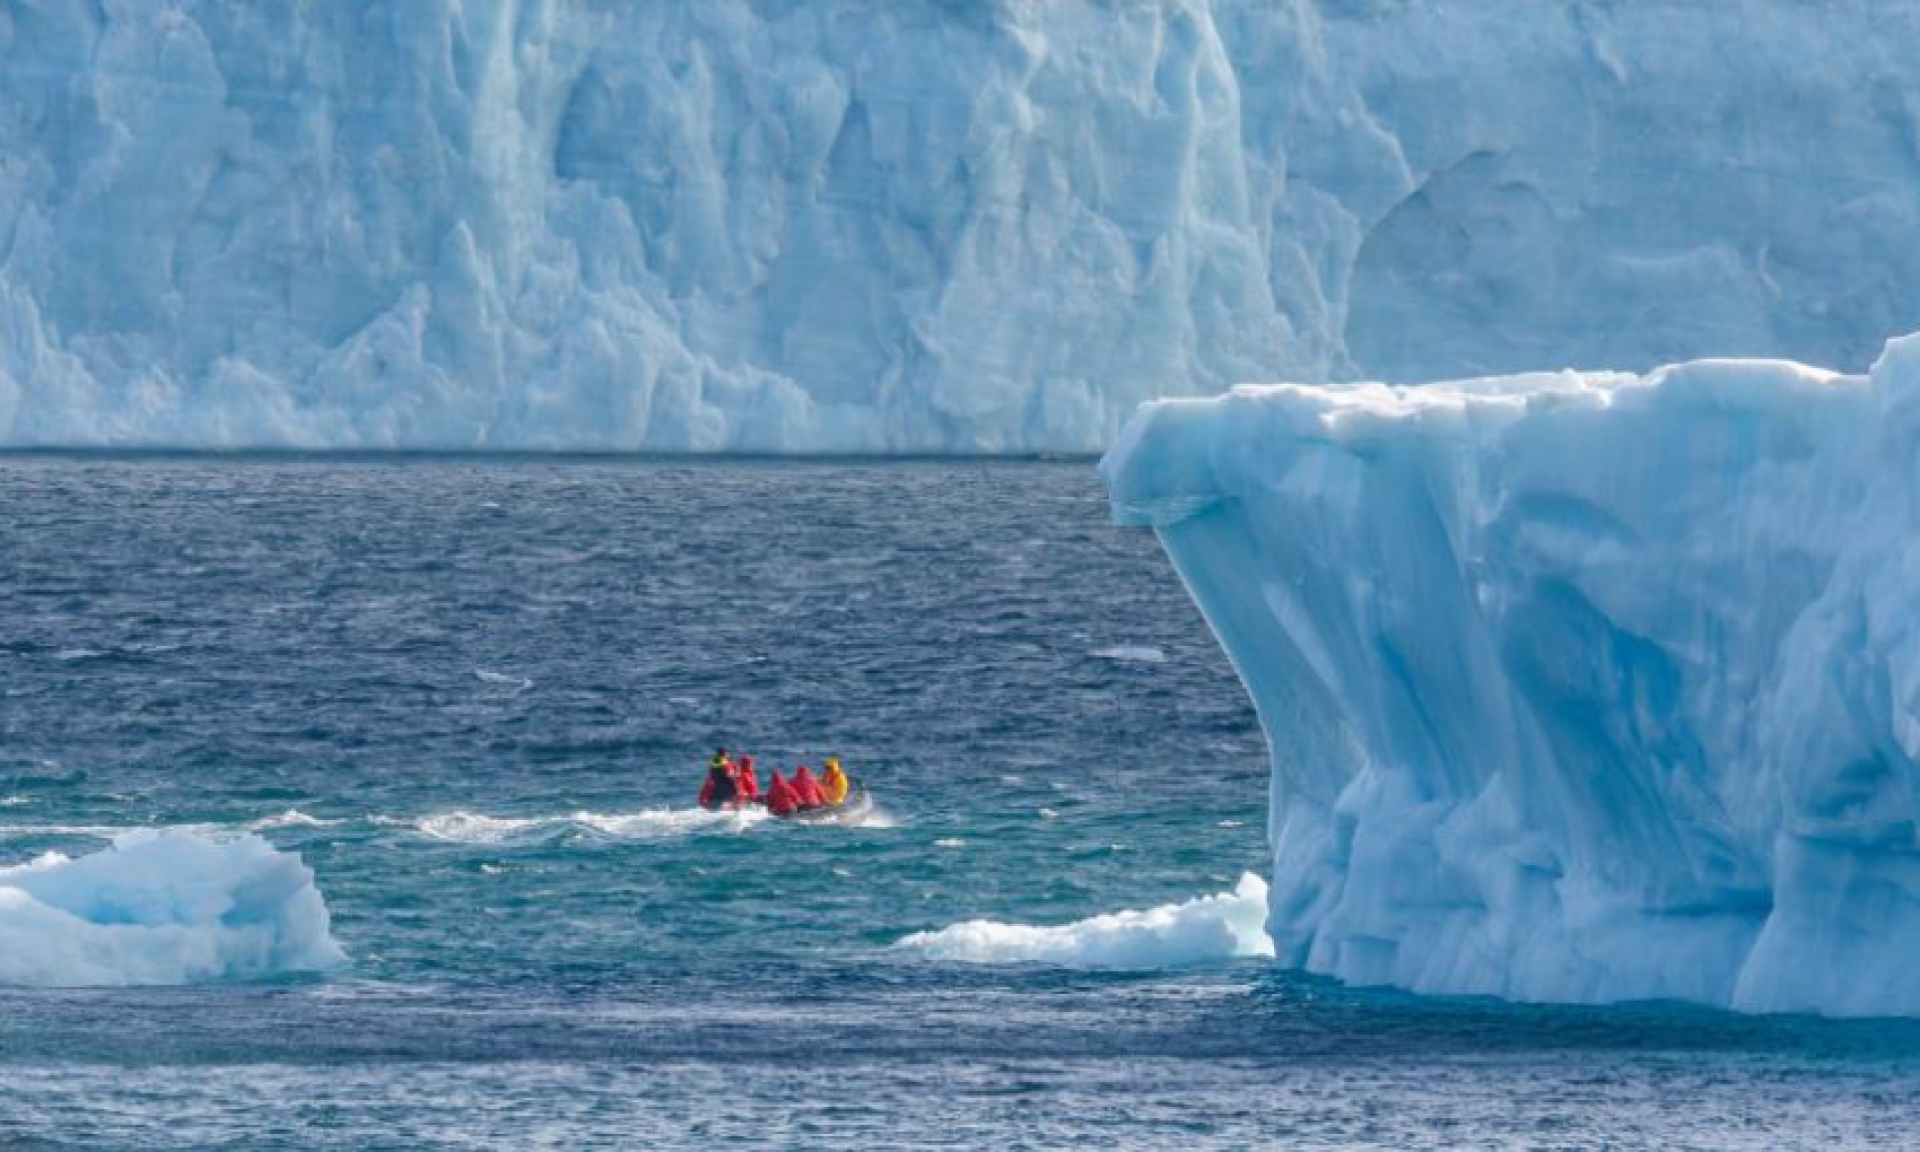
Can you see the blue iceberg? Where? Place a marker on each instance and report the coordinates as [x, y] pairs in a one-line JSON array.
[[163, 907], [1578, 687]]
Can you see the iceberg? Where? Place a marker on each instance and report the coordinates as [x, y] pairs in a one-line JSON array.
[[162, 908], [1578, 687], [722, 225]]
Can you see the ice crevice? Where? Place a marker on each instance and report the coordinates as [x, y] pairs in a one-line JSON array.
[[1578, 687]]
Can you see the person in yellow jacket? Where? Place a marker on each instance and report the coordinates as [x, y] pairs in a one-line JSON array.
[[833, 782]]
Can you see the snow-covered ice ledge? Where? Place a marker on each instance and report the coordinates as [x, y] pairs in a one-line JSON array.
[[1579, 687]]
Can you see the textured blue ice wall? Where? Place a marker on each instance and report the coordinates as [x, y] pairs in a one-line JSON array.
[[1578, 688], [719, 224]]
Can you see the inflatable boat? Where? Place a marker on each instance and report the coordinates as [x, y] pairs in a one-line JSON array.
[[856, 807]]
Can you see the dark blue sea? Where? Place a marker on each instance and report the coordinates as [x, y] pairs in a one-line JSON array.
[[474, 695]]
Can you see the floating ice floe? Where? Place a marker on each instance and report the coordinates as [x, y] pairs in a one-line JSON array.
[[1210, 928], [162, 908]]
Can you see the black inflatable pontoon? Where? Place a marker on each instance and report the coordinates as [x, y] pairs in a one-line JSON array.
[[852, 810]]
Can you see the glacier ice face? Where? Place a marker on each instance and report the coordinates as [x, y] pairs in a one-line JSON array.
[[721, 224], [162, 908], [1577, 687]]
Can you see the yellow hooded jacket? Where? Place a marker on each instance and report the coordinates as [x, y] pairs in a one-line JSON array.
[[833, 783]]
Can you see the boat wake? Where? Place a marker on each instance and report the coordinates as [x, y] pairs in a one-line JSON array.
[[462, 827]]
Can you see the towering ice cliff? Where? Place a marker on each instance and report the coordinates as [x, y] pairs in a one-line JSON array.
[[1578, 687], [717, 224]]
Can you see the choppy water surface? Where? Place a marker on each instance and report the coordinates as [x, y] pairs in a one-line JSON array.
[[474, 694]]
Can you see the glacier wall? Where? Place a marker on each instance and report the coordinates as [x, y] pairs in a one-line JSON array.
[[926, 226], [1577, 687]]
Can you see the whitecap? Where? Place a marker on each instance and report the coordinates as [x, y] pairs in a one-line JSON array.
[[473, 828], [517, 683], [33, 831], [39, 863], [876, 817], [1131, 653], [1210, 928], [291, 818]]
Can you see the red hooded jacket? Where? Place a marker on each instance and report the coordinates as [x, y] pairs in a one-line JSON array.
[[781, 798], [748, 786], [808, 788]]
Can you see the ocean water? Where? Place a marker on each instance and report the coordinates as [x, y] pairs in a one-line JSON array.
[[475, 694]]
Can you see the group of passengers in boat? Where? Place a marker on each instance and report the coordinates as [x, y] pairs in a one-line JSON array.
[[732, 784]]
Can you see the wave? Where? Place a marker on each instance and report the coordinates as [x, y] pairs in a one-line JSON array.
[[459, 826], [647, 824], [291, 818], [1131, 654], [162, 907], [1210, 928], [35, 831]]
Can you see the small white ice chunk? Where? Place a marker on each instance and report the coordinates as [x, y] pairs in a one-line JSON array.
[[1210, 928], [162, 908]]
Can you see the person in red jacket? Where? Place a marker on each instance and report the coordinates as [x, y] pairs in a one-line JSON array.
[[808, 788], [747, 788], [781, 798]]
